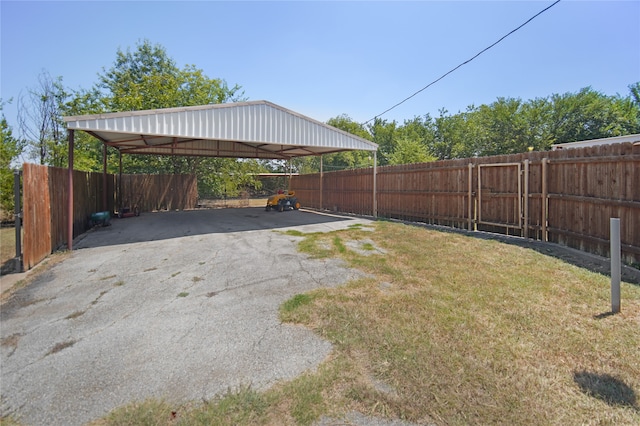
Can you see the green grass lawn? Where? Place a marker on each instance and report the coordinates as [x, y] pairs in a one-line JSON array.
[[7, 244], [447, 329]]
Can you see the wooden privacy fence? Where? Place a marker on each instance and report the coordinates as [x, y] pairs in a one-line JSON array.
[[46, 195], [565, 196], [157, 192], [45, 192]]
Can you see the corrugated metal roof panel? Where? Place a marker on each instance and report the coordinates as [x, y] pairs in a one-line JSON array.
[[247, 125], [596, 142]]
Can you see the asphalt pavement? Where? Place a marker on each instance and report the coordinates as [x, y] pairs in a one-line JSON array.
[[180, 306]]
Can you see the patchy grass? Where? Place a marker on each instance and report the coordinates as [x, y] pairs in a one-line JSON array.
[[448, 329], [292, 305], [7, 244], [243, 406], [149, 412], [368, 247], [339, 245], [8, 421], [475, 331]]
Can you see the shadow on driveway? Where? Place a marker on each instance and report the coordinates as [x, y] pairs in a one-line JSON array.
[[175, 224]]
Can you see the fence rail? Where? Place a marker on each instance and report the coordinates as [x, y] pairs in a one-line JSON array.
[[564, 196]]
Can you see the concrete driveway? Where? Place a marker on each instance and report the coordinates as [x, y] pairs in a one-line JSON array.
[[174, 305]]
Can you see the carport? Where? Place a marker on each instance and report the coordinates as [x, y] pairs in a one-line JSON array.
[[257, 129]]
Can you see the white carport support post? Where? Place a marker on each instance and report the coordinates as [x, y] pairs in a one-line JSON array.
[[70, 190], [375, 183]]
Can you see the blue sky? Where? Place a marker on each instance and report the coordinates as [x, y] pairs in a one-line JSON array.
[[323, 59]]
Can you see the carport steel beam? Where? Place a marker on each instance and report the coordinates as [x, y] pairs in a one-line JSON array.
[[71, 134]]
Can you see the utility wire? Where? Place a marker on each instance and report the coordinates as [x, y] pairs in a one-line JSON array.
[[465, 62]]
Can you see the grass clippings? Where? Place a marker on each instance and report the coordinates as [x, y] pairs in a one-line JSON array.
[[76, 314], [108, 277], [11, 341], [97, 299], [60, 346], [448, 329]]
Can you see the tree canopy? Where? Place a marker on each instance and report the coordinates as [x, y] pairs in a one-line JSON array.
[[506, 126], [140, 79], [148, 78], [10, 149]]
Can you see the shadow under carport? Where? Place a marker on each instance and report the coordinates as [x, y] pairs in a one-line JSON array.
[[164, 225]]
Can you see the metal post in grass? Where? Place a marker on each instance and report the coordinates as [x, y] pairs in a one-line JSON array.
[[615, 264]]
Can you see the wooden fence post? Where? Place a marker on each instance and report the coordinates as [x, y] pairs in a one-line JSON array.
[[321, 178], [525, 229], [469, 211], [545, 199], [375, 183]]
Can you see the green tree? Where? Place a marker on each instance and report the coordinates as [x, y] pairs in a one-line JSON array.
[[383, 133], [457, 136], [408, 151], [511, 125], [231, 178], [413, 141], [589, 114], [148, 78], [337, 161], [348, 159], [505, 128], [635, 93], [10, 149]]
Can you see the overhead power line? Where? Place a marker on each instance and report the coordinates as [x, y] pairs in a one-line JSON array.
[[467, 61]]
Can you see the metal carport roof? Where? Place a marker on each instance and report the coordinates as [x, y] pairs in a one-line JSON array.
[[257, 129]]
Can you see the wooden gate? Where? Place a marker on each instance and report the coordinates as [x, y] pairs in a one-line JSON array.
[[502, 195]]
